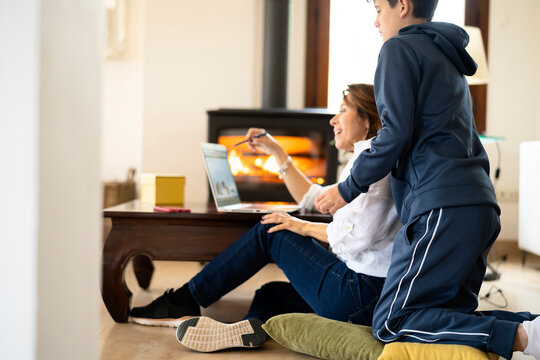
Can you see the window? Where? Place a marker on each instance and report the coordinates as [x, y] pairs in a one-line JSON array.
[[355, 42]]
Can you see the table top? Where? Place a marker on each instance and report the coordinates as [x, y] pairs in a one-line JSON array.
[[137, 209]]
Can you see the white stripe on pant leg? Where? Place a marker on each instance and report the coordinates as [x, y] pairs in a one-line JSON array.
[[387, 328], [401, 281], [410, 266], [443, 333], [407, 297], [386, 340], [423, 259], [419, 338], [427, 333], [435, 340]]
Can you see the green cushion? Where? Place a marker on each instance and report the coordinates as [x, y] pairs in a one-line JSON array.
[[323, 338], [336, 340]]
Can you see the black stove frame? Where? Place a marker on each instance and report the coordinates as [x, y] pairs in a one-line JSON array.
[[290, 122]]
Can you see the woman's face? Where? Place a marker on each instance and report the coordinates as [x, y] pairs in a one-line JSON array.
[[349, 127]]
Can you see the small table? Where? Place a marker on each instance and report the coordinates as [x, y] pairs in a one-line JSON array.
[[140, 233]]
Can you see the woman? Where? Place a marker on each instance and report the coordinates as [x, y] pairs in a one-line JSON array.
[[342, 284]]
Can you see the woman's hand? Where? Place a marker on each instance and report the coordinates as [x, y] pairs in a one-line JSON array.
[[286, 222], [265, 144], [330, 201]]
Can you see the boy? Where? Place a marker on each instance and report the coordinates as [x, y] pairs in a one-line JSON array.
[[441, 187]]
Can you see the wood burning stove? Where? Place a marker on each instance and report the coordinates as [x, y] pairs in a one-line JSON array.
[[306, 135]]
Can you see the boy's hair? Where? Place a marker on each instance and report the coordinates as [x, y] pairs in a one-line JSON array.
[[422, 9]]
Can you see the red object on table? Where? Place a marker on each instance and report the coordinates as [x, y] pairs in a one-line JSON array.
[[171, 209]]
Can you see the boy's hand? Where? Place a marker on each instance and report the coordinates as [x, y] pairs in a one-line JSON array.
[[330, 201]]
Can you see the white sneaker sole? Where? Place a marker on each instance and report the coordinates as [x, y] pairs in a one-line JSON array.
[[207, 335], [157, 322]]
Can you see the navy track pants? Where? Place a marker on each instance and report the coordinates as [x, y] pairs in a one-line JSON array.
[[431, 291]]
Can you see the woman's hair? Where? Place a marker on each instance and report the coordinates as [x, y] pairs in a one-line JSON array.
[[361, 97]]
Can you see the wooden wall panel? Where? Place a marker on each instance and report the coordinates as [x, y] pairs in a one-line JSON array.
[[317, 56], [477, 14]]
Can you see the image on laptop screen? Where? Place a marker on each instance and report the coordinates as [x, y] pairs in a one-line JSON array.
[[223, 185]]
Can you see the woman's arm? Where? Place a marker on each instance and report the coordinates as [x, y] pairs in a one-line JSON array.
[[285, 221], [297, 183]]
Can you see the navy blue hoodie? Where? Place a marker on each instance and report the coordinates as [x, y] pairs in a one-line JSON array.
[[428, 138]]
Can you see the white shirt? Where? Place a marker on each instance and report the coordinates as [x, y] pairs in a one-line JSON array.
[[362, 232]]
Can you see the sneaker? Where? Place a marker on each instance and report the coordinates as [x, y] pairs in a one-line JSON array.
[[206, 335], [162, 312]]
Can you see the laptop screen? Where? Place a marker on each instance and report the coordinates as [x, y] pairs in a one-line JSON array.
[[219, 175]]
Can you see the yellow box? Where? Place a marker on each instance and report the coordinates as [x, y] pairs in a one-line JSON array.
[[160, 189]]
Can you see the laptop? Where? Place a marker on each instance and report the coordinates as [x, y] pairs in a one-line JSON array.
[[224, 188]]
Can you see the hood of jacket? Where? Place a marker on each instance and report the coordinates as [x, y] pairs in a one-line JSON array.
[[451, 39]]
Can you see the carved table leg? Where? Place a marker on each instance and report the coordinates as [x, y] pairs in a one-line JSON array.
[[114, 290], [143, 268]]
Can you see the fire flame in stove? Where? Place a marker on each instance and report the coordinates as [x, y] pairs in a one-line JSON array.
[[247, 166], [268, 164], [271, 165], [236, 164]]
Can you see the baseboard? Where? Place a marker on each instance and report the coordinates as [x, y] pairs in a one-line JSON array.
[[511, 251]]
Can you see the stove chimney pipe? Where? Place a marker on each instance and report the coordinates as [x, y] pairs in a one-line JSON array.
[[276, 42]]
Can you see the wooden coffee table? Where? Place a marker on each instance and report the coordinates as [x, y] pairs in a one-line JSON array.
[[143, 235]]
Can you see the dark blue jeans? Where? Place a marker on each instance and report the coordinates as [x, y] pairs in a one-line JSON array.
[[324, 282]]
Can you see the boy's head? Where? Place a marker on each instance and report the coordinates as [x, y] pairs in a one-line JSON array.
[[392, 15]]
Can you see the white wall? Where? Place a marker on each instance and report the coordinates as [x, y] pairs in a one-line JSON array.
[[198, 56], [19, 117], [121, 142], [513, 93], [50, 71], [69, 233], [297, 54], [203, 56], [183, 59]]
